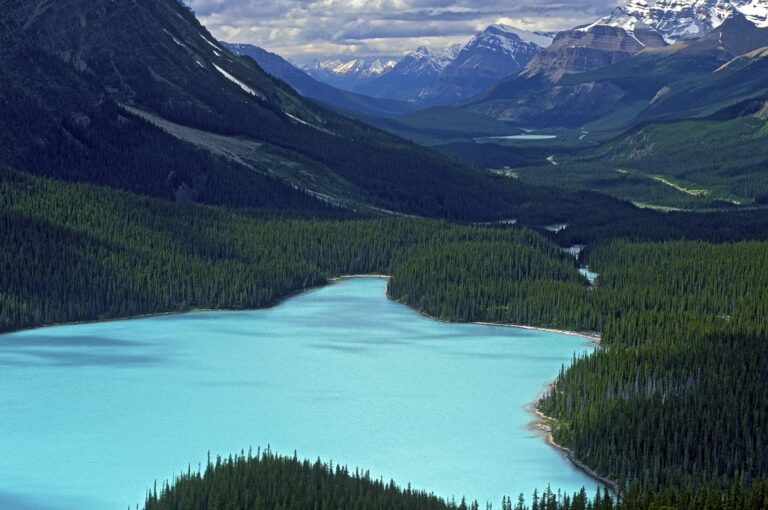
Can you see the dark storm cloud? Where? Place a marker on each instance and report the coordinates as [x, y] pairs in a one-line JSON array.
[[303, 30]]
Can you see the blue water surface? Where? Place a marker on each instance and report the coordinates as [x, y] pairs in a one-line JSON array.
[[92, 414]]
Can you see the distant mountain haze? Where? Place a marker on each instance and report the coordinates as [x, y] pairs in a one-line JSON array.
[[348, 75], [690, 78], [309, 87], [427, 77]]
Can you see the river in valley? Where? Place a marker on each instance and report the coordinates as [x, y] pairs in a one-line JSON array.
[[92, 414]]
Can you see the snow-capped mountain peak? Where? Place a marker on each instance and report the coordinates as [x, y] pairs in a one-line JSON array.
[[421, 52], [347, 74], [619, 18], [451, 52], [537, 38], [691, 19], [422, 61], [632, 24], [379, 67], [756, 11]]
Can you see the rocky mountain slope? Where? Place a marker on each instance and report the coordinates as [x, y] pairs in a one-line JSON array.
[[496, 53]]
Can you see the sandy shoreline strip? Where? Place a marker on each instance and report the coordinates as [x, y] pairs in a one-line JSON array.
[[541, 425]]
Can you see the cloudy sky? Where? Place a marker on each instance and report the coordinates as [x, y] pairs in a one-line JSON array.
[[303, 30]]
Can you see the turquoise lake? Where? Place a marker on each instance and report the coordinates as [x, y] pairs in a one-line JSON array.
[[92, 414]]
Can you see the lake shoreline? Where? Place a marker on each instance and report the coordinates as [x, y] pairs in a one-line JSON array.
[[150, 315], [540, 423]]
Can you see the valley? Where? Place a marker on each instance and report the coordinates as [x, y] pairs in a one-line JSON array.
[[179, 216]]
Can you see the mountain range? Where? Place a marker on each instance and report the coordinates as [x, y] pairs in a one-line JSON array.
[[154, 104], [428, 77], [348, 75], [307, 86], [659, 82]]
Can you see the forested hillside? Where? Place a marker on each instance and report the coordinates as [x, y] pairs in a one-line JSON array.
[[265, 481], [678, 396], [118, 254]]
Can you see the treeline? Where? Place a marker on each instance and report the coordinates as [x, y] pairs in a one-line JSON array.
[[678, 396], [266, 481], [73, 253]]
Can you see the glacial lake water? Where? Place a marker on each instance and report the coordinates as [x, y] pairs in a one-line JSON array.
[[92, 414]]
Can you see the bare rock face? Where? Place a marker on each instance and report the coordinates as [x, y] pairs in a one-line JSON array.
[[592, 47]]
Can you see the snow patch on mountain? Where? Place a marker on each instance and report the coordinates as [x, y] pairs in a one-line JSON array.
[[239, 83], [691, 19], [451, 52], [756, 11], [540, 39], [360, 67], [348, 74], [630, 23]]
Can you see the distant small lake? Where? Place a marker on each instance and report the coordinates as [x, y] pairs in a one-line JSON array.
[[524, 137], [92, 414]]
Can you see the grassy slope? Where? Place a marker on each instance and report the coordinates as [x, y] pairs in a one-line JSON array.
[[687, 164]]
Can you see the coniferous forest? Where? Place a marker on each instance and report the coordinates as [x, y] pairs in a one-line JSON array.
[[265, 481], [673, 405], [146, 169], [119, 255]]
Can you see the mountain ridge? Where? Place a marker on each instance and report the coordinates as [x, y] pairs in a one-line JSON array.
[[308, 86], [429, 77], [349, 74]]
